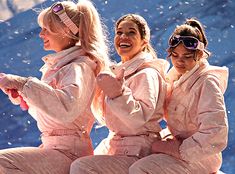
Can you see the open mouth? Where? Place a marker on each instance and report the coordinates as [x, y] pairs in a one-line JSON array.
[[124, 45], [46, 41]]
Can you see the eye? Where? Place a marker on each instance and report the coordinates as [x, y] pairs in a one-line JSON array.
[[132, 32], [119, 33], [174, 54], [188, 56]]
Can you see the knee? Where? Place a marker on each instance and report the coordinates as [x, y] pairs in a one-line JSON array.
[[82, 166], [145, 166], [138, 167]]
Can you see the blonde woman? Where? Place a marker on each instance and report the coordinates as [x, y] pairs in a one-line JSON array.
[[133, 105], [60, 101]]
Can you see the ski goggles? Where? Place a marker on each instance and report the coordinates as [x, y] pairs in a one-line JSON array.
[[189, 42], [59, 10]]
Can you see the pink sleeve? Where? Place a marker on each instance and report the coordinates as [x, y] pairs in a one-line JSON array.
[[212, 136], [138, 102], [69, 99]]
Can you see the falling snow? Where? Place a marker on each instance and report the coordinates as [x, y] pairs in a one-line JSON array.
[[21, 51]]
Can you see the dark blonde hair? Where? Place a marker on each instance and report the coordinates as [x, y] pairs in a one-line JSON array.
[[191, 27], [143, 28], [92, 36]]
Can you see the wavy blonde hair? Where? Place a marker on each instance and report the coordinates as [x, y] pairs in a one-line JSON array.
[[92, 36]]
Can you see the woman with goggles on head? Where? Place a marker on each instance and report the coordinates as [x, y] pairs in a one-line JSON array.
[[195, 109], [60, 102], [133, 104]]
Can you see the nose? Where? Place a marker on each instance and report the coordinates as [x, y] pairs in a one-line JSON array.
[[42, 33], [123, 35]]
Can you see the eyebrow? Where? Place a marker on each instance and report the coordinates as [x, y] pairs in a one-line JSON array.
[[128, 28], [187, 53]]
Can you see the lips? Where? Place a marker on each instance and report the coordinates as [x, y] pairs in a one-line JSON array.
[[124, 45], [46, 42], [180, 67]]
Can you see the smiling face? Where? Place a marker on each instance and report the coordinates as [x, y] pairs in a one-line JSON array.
[[55, 41], [183, 59], [127, 40]]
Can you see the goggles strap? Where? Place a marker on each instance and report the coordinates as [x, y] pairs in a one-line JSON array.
[[68, 22]]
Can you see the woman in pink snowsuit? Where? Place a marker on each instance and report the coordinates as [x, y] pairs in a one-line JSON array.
[[196, 114], [60, 102], [133, 105]]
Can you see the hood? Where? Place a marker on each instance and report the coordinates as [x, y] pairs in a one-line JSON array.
[[160, 65], [221, 73], [203, 68]]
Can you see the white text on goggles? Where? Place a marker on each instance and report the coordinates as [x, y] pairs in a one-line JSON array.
[[189, 42], [59, 10]]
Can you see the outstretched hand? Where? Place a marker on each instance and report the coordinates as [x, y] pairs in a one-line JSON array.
[[10, 84], [111, 85], [9, 81]]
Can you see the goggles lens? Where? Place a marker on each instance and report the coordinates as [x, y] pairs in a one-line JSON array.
[[189, 42], [57, 8]]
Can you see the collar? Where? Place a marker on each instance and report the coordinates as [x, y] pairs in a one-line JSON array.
[[74, 54], [133, 64], [192, 76]]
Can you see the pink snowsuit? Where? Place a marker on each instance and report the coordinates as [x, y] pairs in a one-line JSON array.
[[132, 118], [196, 114], [60, 103]]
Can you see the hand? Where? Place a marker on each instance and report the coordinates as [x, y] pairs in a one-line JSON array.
[[23, 105], [9, 81], [111, 85], [170, 147]]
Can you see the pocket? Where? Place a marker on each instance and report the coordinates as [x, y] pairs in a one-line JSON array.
[[130, 146], [128, 150]]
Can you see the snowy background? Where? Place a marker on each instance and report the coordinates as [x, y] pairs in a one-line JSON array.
[[21, 51]]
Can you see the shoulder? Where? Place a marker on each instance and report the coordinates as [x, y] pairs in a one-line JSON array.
[[148, 73], [208, 83]]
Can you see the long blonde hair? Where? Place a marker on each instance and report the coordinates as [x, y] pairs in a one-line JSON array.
[[95, 44], [92, 37]]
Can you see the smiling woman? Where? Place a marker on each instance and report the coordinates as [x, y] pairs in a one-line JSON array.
[[61, 100], [134, 96]]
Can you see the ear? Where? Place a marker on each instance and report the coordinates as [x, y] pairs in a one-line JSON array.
[[67, 30], [144, 43], [199, 54]]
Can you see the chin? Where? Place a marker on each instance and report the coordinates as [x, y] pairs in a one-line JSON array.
[[180, 71]]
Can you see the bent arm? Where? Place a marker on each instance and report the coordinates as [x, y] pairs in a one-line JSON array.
[[138, 101], [67, 101]]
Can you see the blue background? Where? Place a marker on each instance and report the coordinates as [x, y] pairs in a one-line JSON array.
[[21, 51]]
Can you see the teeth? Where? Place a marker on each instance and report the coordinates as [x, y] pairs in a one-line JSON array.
[[124, 45]]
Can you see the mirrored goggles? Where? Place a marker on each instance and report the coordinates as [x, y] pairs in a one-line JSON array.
[[189, 42], [59, 10]]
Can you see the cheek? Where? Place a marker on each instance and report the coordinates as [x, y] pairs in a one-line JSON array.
[[190, 64]]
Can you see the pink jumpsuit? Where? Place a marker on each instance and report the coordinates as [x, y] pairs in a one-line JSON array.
[[132, 118], [60, 103], [196, 113]]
